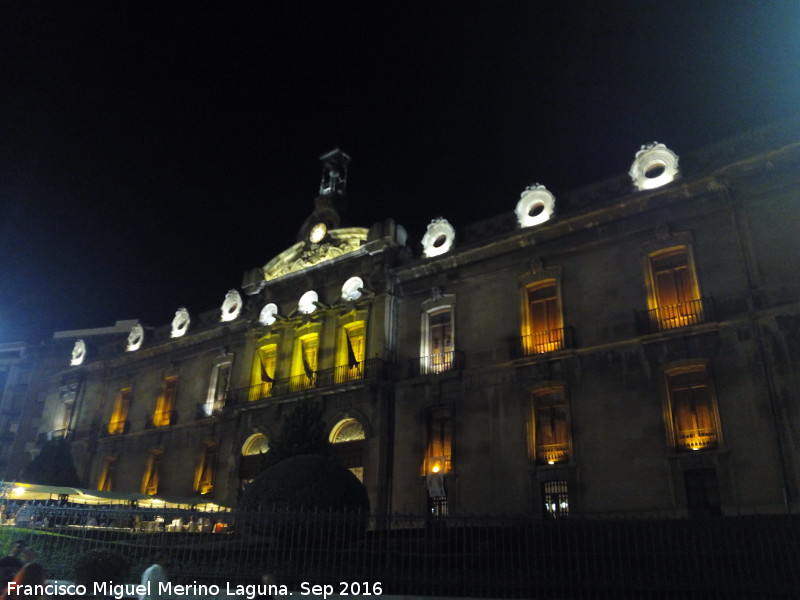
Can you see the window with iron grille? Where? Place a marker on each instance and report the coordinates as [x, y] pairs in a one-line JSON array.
[[555, 499]]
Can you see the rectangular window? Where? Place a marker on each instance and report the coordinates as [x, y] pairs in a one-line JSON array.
[[551, 439], [117, 422], [692, 409], [218, 388], [545, 325], [438, 455], [440, 350], [204, 477], [304, 362], [151, 473], [555, 499], [675, 295], [105, 482], [264, 368], [63, 417], [162, 416], [350, 358]]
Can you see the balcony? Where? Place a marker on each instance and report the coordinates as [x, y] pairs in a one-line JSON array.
[[697, 439], [161, 419], [117, 427], [542, 342], [436, 363], [552, 453], [684, 314], [373, 368]]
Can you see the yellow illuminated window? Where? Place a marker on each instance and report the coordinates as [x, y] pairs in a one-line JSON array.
[[263, 375], [550, 427], [544, 322], [151, 473], [162, 416], [204, 476], [106, 480], [351, 351], [116, 424], [304, 362], [438, 455], [692, 409], [675, 295]]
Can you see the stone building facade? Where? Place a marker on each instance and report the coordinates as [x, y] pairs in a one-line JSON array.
[[628, 348]]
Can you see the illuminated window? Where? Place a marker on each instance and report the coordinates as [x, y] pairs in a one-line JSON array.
[[162, 416], [263, 374], [347, 438], [304, 362], [105, 482], [693, 419], [117, 422], [351, 352], [438, 349], [218, 387], [551, 440], [674, 295], [555, 499], [438, 454], [544, 325], [63, 418], [151, 472], [204, 477], [255, 444]]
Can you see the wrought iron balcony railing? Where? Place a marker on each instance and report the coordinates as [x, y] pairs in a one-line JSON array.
[[697, 439], [117, 427], [684, 314], [552, 453], [542, 342], [369, 369], [436, 363]]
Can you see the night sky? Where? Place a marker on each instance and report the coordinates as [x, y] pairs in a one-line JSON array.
[[150, 155]]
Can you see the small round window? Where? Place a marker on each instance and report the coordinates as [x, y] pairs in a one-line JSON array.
[[351, 290], [308, 302]]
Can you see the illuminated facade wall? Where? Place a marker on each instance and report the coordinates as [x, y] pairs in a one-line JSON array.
[[634, 353]]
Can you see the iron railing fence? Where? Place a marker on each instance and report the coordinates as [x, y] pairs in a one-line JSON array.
[[433, 364], [369, 369], [542, 342], [726, 558], [684, 314]]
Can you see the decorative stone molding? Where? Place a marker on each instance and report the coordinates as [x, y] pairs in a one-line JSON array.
[[655, 165], [439, 238], [268, 314], [308, 302], [536, 205], [78, 353], [180, 324], [135, 338], [231, 306], [306, 254], [351, 290]]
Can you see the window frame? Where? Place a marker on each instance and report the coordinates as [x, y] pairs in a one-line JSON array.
[[118, 421], [674, 435], [151, 479], [446, 360], [537, 401], [541, 341], [165, 403], [214, 403], [688, 311]]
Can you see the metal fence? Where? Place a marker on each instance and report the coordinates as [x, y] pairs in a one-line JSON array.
[[725, 558]]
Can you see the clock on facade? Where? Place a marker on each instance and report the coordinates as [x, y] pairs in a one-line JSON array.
[[317, 233]]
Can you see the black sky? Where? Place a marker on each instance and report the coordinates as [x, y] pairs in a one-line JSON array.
[[149, 155]]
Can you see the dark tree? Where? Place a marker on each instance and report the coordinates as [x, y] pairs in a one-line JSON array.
[[306, 483], [302, 433], [52, 466]]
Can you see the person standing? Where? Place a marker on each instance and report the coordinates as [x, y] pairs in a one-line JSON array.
[[155, 577]]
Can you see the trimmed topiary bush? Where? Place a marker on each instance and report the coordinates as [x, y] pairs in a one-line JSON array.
[[101, 565], [306, 483]]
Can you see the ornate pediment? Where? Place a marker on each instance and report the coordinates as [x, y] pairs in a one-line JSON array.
[[304, 255]]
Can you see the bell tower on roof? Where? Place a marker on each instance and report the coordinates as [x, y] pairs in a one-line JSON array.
[[332, 198]]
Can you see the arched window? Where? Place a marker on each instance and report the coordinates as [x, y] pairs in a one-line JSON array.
[[251, 463], [347, 437]]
